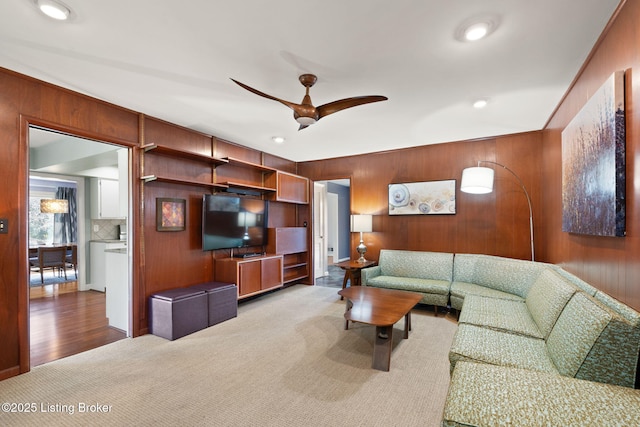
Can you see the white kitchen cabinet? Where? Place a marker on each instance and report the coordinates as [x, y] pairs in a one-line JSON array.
[[117, 292], [105, 198], [98, 263]]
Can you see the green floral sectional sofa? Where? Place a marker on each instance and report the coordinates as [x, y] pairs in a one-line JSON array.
[[568, 350]]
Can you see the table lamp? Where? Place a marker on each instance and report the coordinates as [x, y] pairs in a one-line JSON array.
[[361, 224]]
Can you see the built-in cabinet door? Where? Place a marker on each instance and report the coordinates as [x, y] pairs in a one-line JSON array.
[[271, 272], [249, 273]]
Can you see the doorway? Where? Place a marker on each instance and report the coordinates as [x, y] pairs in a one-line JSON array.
[[333, 199], [66, 316]]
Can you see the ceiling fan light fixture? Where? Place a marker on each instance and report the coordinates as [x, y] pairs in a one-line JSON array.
[[54, 9], [305, 121]]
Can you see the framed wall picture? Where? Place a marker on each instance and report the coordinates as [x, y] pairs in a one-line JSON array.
[[170, 214], [423, 198], [593, 164]]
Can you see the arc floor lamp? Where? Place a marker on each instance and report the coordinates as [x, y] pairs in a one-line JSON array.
[[479, 180]]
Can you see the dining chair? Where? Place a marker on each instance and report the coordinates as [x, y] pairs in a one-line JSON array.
[[53, 257], [71, 258]]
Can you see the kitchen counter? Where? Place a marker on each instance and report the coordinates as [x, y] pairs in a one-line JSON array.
[[117, 251]]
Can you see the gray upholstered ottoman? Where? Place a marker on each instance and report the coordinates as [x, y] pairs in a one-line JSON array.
[[223, 300], [178, 312]]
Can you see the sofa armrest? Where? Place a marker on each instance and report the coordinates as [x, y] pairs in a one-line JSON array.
[[367, 274]]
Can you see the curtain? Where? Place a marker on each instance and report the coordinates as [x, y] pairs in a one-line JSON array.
[[65, 226]]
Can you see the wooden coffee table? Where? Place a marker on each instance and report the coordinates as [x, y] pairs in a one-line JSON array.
[[381, 308]]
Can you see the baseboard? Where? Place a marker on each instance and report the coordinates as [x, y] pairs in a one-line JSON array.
[[9, 372]]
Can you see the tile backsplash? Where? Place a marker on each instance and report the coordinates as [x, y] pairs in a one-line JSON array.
[[106, 229]]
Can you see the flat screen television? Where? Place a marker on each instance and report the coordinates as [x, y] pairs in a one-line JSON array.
[[233, 222]]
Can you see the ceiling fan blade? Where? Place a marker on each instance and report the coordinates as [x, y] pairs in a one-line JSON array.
[[291, 105], [332, 107]]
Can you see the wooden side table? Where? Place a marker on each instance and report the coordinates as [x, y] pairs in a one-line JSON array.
[[352, 271]]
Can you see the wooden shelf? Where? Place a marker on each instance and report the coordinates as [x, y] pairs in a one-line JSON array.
[[296, 265], [166, 151], [292, 275], [237, 162], [248, 187], [151, 178]]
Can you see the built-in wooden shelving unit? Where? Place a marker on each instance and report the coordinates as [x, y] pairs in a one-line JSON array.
[[288, 261]]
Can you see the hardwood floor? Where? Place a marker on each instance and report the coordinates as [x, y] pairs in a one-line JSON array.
[[65, 321]]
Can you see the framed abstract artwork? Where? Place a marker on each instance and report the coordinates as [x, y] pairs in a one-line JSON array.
[[170, 214], [423, 198], [593, 164]]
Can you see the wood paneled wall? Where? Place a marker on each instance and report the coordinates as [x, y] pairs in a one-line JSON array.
[[161, 260], [496, 223], [610, 263]]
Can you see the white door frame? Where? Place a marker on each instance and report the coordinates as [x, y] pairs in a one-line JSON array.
[[320, 230]]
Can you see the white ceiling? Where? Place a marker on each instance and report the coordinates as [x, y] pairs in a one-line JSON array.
[[174, 59], [60, 154]]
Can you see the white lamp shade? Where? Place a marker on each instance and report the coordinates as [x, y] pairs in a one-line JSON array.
[[361, 223], [477, 180]]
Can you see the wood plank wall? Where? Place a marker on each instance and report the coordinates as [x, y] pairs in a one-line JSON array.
[[610, 263], [161, 260], [496, 223]]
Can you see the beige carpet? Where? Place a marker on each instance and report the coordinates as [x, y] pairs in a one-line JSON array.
[[286, 360]]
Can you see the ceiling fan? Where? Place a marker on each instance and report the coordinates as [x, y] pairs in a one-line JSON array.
[[305, 113]]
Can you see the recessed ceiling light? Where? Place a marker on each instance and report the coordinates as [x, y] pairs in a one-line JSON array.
[[477, 28], [476, 31], [278, 139], [53, 9], [480, 103]]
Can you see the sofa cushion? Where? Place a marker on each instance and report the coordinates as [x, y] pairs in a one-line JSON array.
[[416, 264], [578, 282], [513, 276], [411, 284], [485, 395], [473, 343], [575, 332], [504, 315], [462, 289], [547, 298]]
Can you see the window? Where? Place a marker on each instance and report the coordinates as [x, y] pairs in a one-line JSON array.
[[40, 224]]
